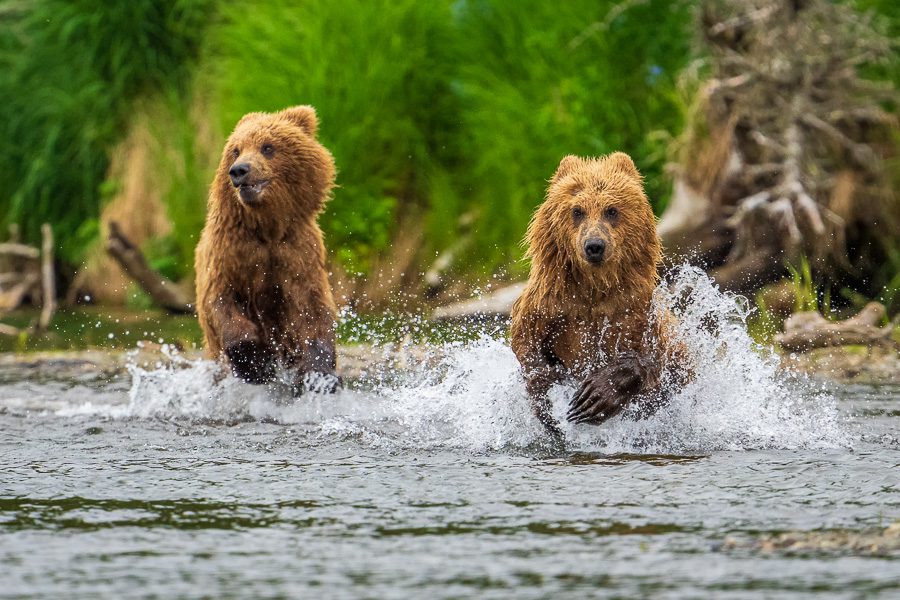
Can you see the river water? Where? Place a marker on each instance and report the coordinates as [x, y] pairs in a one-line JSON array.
[[434, 481]]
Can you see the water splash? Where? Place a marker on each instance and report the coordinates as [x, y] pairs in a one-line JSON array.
[[470, 395], [738, 397]]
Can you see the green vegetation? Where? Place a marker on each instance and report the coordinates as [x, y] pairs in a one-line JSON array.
[[90, 327], [380, 78], [806, 291], [763, 324], [433, 110], [540, 80], [69, 71], [96, 327]]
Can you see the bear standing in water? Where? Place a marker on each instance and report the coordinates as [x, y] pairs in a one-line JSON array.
[[585, 312], [263, 295]]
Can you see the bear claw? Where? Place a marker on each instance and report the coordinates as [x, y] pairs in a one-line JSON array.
[[607, 392]]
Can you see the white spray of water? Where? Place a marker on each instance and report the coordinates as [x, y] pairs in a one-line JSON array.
[[737, 398], [472, 396]]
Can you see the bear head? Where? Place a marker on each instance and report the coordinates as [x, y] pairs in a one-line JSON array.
[[596, 224], [273, 162]]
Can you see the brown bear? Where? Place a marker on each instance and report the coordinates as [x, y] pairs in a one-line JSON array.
[[263, 295], [586, 310]]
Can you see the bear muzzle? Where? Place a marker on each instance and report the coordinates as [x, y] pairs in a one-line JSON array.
[[248, 189]]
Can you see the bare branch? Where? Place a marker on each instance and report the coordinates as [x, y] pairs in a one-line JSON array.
[[20, 250], [743, 21], [861, 154], [782, 210], [766, 142], [810, 209], [48, 279]]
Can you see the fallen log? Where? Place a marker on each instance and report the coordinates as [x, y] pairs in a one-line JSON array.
[[19, 250], [162, 291], [495, 305], [31, 282], [808, 330], [12, 297], [10, 331]]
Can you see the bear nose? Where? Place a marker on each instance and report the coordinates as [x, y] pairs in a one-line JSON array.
[[593, 249], [238, 173]]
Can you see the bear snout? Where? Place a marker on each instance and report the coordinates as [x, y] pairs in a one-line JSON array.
[[594, 248], [239, 173]]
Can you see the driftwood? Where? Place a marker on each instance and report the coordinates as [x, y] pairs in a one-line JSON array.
[[20, 250], [436, 275], [495, 305], [21, 284], [807, 330], [780, 158], [162, 291], [19, 275], [12, 297], [48, 278]]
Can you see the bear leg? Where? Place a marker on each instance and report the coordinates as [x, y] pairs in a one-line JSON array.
[[537, 382], [249, 357], [251, 361], [316, 369]]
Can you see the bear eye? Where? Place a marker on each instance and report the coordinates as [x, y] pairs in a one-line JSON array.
[[611, 213], [577, 214], [267, 150], [235, 153]]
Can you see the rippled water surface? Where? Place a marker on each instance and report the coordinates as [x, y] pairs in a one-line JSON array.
[[434, 482]]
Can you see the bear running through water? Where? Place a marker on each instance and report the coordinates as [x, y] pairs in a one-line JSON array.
[[263, 295], [586, 310]]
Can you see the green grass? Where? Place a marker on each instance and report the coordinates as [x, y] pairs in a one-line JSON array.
[[763, 325], [377, 73], [69, 70], [103, 327], [186, 166], [93, 327]]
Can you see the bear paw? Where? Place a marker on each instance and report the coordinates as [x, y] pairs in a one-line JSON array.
[[250, 361], [318, 383], [607, 392]]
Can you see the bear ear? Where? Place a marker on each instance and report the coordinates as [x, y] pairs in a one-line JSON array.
[[622, 163], [303, 117], [566, 165]]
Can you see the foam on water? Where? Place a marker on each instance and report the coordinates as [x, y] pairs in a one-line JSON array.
[[472, 396]]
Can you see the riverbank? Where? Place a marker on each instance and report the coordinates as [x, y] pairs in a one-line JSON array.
[[842, 364]]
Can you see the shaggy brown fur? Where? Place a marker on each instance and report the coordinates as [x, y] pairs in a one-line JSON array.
[[263, 295], [594, 255]]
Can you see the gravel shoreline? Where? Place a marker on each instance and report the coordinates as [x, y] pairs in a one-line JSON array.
[[842, 364]]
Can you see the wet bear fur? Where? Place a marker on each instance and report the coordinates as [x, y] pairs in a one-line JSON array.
[[586, 313]]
